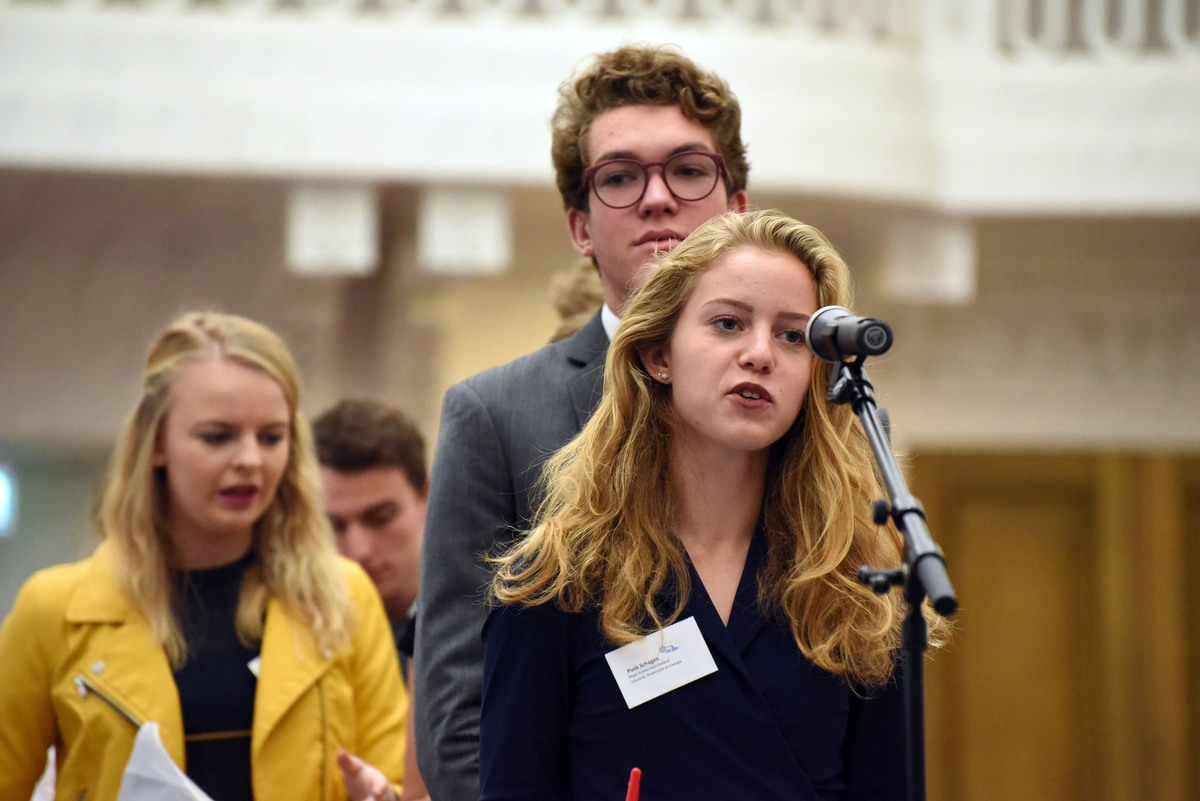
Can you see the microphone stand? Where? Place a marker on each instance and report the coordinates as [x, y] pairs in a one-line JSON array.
[[923, 572]]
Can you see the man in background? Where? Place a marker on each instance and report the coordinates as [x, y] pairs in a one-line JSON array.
[[646, 148], [373, 474]]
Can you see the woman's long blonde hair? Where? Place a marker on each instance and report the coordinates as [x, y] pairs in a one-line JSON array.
[[604, 535], [295, 560]]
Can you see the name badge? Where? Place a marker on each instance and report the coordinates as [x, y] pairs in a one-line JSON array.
[[660, 662]]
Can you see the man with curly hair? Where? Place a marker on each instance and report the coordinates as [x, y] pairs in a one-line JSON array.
[[646, 148]]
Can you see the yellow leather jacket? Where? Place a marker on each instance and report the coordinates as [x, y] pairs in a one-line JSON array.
[[80, 670]]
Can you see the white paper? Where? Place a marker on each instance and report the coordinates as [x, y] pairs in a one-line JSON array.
[[661, 662], [151, 774], [44, 789]]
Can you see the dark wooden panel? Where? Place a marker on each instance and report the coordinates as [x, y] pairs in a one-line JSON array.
[[1009, 703], [1190, 498], [1075, 670]]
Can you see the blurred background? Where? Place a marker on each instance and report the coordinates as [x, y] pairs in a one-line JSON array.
[[1016, 184]]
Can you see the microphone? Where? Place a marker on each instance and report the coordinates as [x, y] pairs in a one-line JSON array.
[[833, 333]]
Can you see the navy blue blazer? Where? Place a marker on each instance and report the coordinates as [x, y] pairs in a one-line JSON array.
[[767, 725]]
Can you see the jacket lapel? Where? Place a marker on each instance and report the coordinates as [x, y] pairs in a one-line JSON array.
[[738, 696], [291, 664], [586, 351], [745, 622], [98, 598], [119, 654]]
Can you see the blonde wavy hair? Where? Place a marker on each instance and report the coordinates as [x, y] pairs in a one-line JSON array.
[[295, 560], [604, 537]]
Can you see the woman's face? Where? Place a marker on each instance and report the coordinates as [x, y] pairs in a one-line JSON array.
[[737, 363], [224, 445]]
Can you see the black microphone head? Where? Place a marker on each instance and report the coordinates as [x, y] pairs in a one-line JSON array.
[[819, 331], [833, 333], [873, 336]]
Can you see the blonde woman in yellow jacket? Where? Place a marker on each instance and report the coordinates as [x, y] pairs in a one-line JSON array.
[[212, 485]]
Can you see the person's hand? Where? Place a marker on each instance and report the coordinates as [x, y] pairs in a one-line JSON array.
[[363, 782]]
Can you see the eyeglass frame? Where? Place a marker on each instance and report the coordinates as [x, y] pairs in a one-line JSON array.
[[589, 175]]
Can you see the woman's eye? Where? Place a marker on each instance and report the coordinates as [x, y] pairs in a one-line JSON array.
[[215, 437], [726, 323], [793, 337], [270, 439]]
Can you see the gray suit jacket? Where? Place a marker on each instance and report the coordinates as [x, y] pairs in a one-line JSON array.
[[497, 430]]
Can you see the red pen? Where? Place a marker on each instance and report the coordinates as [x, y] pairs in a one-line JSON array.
[[635, 785]]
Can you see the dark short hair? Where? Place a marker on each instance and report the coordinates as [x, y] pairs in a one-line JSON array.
[[358, 433], [642, 75]]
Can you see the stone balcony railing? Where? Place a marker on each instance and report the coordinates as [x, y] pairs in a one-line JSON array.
[[992, 106]]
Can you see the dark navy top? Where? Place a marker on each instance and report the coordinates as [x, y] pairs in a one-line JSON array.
[[216, 684], [404, 634], [767, 725]]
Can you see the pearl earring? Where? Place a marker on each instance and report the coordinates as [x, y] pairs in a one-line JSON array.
[[664, 376]]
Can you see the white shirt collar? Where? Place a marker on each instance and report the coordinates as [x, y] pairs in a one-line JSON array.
[[609, 320]]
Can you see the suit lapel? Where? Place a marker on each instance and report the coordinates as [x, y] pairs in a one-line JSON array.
[[745, 622], [738, 696], [586, 351]]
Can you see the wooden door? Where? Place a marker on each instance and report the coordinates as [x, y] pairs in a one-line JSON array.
[[1075, 670]]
